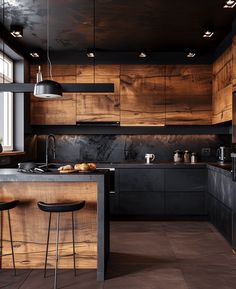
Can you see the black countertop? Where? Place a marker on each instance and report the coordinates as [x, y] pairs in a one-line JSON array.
[[169, 165], [135, 165], [12, 175], [223, 169]]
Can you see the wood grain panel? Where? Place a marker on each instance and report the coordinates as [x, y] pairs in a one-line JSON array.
[[234, 63], [58, 70], [188, 94], [142, 95], [94, 107], [29, 224], [56, 111], [222, 88]]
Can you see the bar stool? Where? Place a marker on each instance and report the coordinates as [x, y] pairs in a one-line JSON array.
[[7, 206], [59, 208]]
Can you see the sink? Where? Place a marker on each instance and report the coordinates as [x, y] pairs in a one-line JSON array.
[[50, 165]]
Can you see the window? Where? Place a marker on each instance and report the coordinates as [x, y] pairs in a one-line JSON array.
[[6, 104]]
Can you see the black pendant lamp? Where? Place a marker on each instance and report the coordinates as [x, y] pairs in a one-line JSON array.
[[47, 88]]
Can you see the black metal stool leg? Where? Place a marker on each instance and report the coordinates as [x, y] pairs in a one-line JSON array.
[[46, 257], [1, 224], [73, 236], [12, 249], [57, 257]]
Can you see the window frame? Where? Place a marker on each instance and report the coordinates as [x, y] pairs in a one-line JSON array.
[[7, 76]]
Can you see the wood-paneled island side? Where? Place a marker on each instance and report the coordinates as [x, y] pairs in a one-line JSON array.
[[29, 224]]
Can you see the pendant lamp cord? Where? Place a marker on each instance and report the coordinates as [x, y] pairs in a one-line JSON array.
[[94, 39], [48, 41], [3, 43]]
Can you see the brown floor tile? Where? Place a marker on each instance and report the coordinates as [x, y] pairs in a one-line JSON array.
[[136, 226], [149, 255], [140, 248], [188, 227], [210, 277], [197, 245], [149, 278], [9, 281], [85, 279]]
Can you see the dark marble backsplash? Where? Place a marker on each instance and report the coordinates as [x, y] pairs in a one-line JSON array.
[[118, 148]]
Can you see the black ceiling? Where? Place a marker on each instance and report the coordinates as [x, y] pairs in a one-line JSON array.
[[120, 25]]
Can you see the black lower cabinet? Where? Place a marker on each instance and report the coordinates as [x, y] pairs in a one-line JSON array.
[[159, 193], [185, 203], [141, 204], [140, 192], [221, 217], [185, 192], [220, 201]]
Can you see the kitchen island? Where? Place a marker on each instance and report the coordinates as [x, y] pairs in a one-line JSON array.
[[29, 224]]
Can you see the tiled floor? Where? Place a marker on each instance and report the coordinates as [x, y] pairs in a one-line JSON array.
[[149, 255]]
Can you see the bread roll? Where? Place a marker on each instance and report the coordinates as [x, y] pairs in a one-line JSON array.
[[82, 167], [92, 166], [66, 168]]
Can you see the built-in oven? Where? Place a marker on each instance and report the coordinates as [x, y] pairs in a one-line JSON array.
[[111, 178], [113, 194]]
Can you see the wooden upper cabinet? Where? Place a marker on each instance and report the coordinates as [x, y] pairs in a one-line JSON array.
[[234, 64], [142, 95], [188, 94], [145, 95], [98, 107], [55, 111], [222, 88]]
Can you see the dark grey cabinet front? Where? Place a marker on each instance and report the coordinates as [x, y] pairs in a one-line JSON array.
[[220, 202], [185, 192], [185, 180], [141, 192], [142, 180], [185, 203], [162, 192], [142, 204], [221, 217]]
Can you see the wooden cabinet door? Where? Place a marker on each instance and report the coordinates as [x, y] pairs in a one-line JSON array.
[[188, 94], [98, 107], [142, 95], [55, 111], [234, 63], [222, 88]]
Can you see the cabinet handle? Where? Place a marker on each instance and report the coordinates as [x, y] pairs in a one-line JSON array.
[[112, 192]]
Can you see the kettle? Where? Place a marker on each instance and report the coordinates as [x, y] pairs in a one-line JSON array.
[[149, 158], [223, 154]]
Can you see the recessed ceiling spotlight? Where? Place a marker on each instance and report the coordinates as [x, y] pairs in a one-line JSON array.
[[90, 53], [191, 54], [208, 34], [34, 54], [230, 4], [142, 54], [16, 31]]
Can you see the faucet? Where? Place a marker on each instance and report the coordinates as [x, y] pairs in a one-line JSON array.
[[50, 136]]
